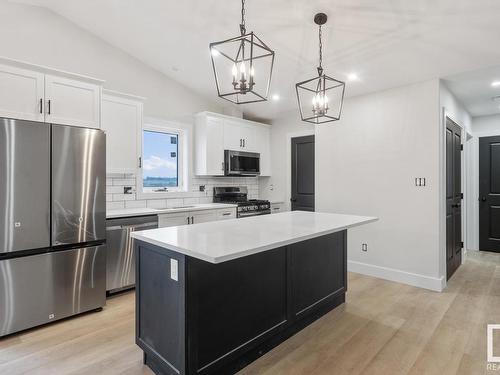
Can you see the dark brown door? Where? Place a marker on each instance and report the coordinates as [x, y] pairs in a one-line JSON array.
[[453, 197], [489, 194], [303, 173]]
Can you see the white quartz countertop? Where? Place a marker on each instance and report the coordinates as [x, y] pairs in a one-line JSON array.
[[130, 212], [220, 241]]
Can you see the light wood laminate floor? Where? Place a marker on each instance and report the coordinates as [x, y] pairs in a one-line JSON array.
[[384, 328]]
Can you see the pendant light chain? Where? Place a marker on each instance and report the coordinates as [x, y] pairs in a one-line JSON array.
[[243, 12], [320, 48]]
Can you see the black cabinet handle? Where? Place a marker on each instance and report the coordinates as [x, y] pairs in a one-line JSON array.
[[41, 105], [188, 220], [48, 109], [244, 142], [192, 219]]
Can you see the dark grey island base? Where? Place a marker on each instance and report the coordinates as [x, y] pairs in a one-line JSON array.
[[218, 318]]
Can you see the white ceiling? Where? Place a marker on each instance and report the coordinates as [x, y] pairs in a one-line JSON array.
[[388, 43], [475, 92]]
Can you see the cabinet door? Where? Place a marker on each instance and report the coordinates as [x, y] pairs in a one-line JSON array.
[[21, 94], [173, 220], [198, 217], [263, 140], [215, 146], [72, 102], [121, 120], [233, 135]]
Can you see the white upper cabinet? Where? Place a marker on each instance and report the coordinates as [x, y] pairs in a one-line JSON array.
[[239, 136], [215, 133], [209, 146], [122, 117], [32, 92], [21, 93], [72, 102], [263, 139]]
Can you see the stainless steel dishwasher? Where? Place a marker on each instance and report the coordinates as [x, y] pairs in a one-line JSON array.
[[120, 269]]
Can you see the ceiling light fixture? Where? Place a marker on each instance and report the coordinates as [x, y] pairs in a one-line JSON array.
[[275, 97], [242, 66], [352, 77], [495, 83], [314, 104]]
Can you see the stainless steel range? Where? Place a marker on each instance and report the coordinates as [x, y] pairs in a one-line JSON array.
[[239, 195]]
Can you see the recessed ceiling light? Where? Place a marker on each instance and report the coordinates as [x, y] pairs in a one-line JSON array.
[[352, 77], [215, 53], [495, 83], [275, 97]]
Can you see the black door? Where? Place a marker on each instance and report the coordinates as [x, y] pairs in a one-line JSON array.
[[489, 194], [303, 173], [453, 197]]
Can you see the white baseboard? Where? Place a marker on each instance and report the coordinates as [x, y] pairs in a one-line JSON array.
[[414, 279]]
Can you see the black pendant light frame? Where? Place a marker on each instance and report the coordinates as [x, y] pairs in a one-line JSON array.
[[320, 86], [243, 89]]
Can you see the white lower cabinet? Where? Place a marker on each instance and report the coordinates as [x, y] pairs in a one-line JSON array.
[[277, 207], [195, 217]]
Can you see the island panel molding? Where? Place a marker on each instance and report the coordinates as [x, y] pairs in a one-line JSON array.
[[217, 318]]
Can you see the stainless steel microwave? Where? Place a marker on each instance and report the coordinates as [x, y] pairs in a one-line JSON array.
[[238, 163]]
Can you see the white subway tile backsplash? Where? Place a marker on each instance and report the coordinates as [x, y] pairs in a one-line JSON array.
[[124, 181], [115, 199], [157, 203], [123, 197], [188, 201], [135, 204], [175, 202], [114, 205], [114, 189]]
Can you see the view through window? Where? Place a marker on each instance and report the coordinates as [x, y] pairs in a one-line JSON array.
[[160, 160]]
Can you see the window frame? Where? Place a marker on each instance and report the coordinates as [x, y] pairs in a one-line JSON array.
[[182, 173]]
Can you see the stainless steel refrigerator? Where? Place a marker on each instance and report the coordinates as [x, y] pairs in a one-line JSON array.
[[52, 222]]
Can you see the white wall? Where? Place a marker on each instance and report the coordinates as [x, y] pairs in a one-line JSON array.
[[366, 164], [277, 187], [39, 36]]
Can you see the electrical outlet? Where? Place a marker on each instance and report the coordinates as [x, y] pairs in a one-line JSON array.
[[202, 187], [127, 190], [364, 247], [174, 269]]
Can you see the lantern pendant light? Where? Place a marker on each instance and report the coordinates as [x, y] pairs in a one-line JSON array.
[[320, 98], [242, 66]]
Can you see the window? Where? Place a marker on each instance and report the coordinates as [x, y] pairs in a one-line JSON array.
[[161, 160]]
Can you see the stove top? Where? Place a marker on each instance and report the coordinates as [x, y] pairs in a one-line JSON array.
[[239, 195]]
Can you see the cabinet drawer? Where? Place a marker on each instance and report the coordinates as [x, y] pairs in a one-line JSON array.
[[226, 213], [172, 220], [277, 208]]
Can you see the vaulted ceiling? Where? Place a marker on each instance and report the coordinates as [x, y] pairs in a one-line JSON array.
[[387, 43]]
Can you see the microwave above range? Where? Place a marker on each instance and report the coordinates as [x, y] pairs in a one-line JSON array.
[[238, 163]]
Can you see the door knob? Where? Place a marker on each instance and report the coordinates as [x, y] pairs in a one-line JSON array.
[[293, 199], [483, 199]]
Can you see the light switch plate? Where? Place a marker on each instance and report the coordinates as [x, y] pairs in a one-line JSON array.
[[174, 269]]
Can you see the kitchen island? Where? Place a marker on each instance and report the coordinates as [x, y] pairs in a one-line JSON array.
[[213, 297]]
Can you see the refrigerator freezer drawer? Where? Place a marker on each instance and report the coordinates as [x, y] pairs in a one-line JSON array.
[[42, 288]]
